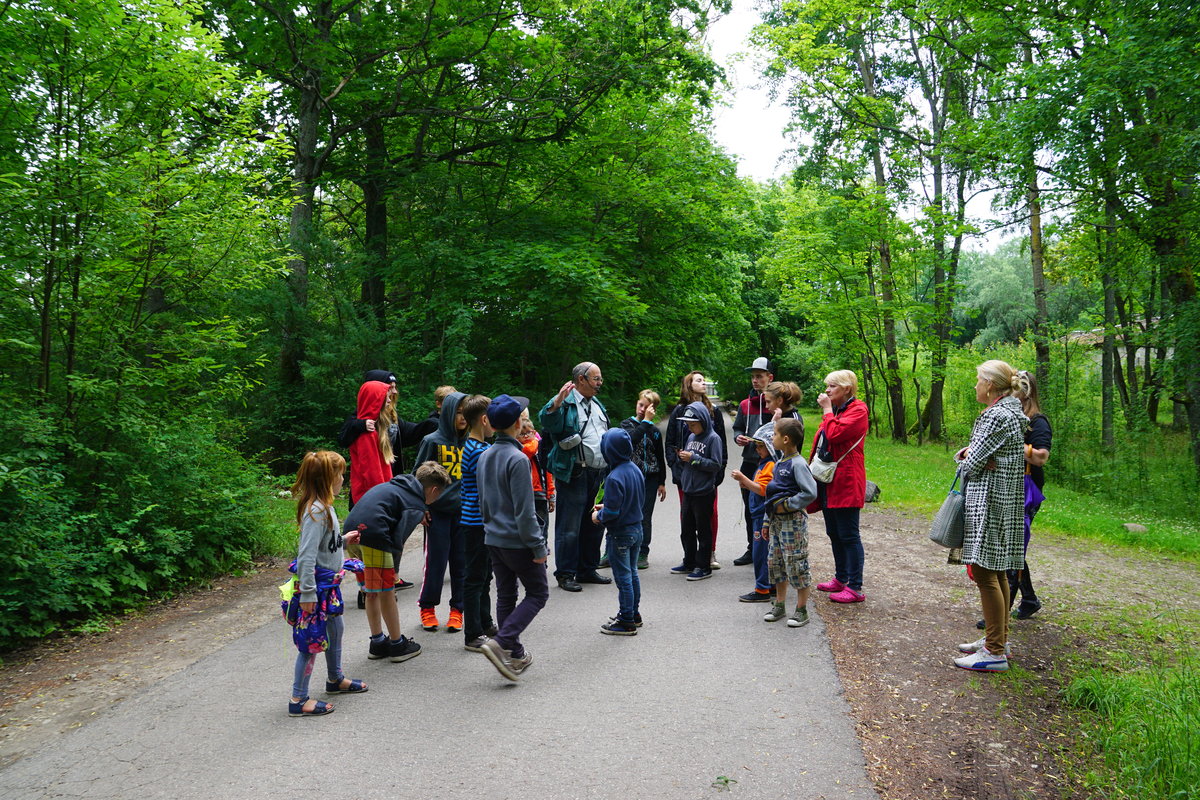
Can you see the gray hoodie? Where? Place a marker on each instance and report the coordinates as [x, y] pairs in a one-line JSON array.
[[699, 476]]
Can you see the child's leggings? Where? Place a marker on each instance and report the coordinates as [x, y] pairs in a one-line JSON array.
[[333, 659]]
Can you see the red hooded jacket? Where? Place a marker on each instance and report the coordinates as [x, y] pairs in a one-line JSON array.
[[367, 467], [842, 431]]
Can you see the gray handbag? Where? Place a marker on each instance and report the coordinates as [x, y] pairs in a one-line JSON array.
[[949, 523]]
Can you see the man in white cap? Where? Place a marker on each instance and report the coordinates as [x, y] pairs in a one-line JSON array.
[[751, 416]]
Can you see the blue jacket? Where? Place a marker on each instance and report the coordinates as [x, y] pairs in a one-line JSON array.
[[793, 485], [624, 487], [699, 476]]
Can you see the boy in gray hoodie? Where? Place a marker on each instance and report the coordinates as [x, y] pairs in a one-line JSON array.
[[701, 460], [513, 536]]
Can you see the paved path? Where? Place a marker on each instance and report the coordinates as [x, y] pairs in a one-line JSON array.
[[705, 690]]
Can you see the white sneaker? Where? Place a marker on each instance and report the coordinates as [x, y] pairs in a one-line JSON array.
[[714, 564], [982, 661], [976, 646]]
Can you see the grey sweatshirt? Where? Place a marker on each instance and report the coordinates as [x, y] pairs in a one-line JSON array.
[[506, 498], [320, 546]]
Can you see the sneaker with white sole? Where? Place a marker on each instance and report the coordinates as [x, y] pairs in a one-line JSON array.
[[979, 644], [982, 661], [776, 613], [799, 618]]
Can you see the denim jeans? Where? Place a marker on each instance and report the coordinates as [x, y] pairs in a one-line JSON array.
[[443, 545], [512, 566], [760, 546], [576, 537], [333, 659], [623, 550], [841, 524], [749, 467]]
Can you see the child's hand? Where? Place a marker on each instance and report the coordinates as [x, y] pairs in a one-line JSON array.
[[960, 455], [738, 476], [778, 415], [685, 456], [352, 537], [596, 515], [308, 608], [662, 492], [742, 440], [649, 412], [370, 425]]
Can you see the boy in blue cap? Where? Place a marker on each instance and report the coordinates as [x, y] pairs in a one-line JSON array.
[[513, 536]]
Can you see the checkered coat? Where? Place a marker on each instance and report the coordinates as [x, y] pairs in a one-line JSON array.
[[995, 498]]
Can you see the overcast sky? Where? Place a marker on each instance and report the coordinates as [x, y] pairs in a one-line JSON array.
[[749, 127]]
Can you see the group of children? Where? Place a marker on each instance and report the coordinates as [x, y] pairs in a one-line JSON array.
[[485, 510]]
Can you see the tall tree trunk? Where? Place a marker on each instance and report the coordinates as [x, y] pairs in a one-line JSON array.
[[375, 196], [895, 386], [1108, 356], [1041, 317]]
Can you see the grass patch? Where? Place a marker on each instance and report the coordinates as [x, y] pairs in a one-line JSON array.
[[1148, 728], [916, 478]]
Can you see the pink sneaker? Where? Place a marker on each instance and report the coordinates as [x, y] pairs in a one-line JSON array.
[[831, 586], [848, 595]]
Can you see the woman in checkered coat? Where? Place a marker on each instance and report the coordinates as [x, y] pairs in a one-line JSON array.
[[994, 466]]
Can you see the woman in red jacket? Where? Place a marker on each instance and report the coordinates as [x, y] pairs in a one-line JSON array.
[[844, 424]]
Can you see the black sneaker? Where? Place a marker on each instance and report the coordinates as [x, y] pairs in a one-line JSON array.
[[637, 620], [699, 574], [361, 602], [619, 628], [1025, 612], [403, 649], [755, 597], [744, 559], [378, 648]]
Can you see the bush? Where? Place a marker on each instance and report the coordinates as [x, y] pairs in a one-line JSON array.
[[100, 530]]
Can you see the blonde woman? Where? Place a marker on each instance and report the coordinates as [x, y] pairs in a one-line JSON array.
[[993, 464], [844, 422]]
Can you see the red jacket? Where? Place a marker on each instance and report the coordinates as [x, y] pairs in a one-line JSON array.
[[842, 430], [367, 467]]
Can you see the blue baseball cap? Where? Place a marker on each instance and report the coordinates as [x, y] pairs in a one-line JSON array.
[[505, 410]]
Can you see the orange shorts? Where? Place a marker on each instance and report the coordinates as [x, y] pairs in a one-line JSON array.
[[379, 570]]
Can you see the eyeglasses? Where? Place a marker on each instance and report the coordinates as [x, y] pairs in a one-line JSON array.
[[595, 379]]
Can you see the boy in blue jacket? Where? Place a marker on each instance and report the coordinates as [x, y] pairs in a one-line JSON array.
[[790, 491], [701, 458], [621, 513]]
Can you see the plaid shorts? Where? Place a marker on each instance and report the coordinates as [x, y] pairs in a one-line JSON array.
[[379, 573], [787, 558]]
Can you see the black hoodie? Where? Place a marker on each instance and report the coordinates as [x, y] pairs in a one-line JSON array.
[[387, 513]]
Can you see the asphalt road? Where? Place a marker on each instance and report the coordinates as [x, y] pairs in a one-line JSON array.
[[706, 700]]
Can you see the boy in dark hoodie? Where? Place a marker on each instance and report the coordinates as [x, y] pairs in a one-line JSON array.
[[514, 538], [385, 516], [621, 513], [444, 542], [700, 460]]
